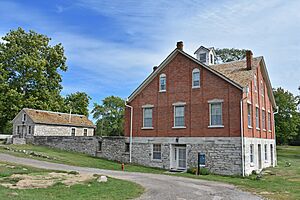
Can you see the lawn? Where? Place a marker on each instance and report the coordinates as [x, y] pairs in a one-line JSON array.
[[77, 159], [112, 189], [283, 184]]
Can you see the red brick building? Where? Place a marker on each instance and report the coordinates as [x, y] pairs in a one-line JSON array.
[[191, 109]]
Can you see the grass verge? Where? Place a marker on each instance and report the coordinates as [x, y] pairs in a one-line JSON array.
[[112, 189]]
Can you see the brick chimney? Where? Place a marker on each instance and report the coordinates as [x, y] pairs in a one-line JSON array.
[[249, 59], [180, 45]]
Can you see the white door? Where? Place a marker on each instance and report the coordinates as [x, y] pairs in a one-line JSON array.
[[181, 158]]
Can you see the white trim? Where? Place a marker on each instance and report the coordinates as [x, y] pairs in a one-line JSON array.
[[147, 106], [179, 103], [263, 108], [147, 128], [256, 105], [162, 76], [178, 127], [215, 101], [249, 102], [196, 70], [216, 126], [250, 127]]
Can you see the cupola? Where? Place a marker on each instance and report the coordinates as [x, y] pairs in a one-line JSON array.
[[206, 55]]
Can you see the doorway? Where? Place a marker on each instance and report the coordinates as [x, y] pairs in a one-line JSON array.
[[259, 157], [178, 157]]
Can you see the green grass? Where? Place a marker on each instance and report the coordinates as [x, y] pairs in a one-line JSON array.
[[112, 189], [77, 159], [285, 184]]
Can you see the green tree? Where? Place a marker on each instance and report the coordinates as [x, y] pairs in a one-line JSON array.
[[110, 116], [29, 74], [77, 102], [228, 55], [287, 120]]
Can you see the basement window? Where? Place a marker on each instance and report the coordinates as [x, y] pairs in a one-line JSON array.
[[127, 147], [156, 152], [251, 153]]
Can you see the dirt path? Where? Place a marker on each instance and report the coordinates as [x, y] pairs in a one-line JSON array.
[[157, 186]]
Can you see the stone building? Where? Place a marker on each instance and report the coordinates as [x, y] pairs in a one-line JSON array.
[[31, 122], [190, 110]]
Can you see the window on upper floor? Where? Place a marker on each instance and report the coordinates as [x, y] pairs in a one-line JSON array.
[[255, 83], [179, 116], [269, 121], [162, 83], [211, 59], [147, 118], [202, 57], [263, 116], [257, 117], [29, 130], [262, 87], [249, 110], [215, 113], [196, 78]]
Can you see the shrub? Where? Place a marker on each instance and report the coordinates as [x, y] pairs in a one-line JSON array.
[[194, 170]]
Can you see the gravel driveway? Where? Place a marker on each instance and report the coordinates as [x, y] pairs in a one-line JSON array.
[[158, 187]]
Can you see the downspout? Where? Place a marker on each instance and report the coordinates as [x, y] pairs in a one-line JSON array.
[[277, 110], [242, 136], [130, 138]]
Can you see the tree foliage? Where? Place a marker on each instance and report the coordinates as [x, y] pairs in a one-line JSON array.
[[110, 116], [30, 74], [228, 55], [78, 103], [287, 120]]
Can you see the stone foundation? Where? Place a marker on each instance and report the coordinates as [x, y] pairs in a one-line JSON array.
[[223, 154]]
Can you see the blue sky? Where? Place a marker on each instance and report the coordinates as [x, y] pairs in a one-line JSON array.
[[112, 46]]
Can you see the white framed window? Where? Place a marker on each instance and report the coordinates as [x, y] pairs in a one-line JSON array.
[[162, 83], [255, 83], [147, 117], [266, 152], [73, 131], [249, 110], [24, 117], [179, 116], [262, 88], [85, 132], [202, 57], [257, 118], [156, 151], [269, 121], [251, 153], [29, 130], [215, 113], [263, 119], [18, 130], [196, 78]]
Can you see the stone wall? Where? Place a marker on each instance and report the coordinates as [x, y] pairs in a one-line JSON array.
[[86, 145], [112, 148], [223, 154]]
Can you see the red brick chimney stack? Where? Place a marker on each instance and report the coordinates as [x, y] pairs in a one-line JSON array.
[[180, 45], [249, 59]]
